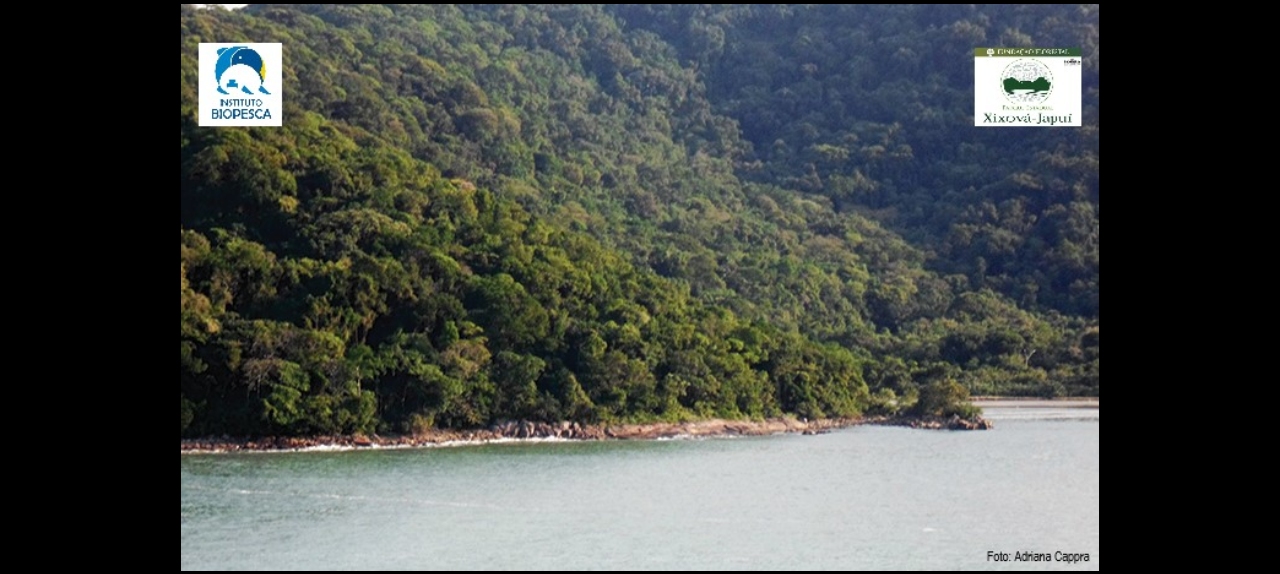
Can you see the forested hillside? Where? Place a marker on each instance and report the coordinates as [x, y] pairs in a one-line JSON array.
[[609, 213]]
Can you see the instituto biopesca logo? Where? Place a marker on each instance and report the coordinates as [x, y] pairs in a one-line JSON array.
[[240, 84], [1027, 87]]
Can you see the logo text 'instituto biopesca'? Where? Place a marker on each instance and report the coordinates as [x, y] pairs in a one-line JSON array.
[[240, 84]]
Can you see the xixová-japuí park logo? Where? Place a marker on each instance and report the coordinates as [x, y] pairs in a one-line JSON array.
[[1027, 87], [240, 84], [1027, 82]]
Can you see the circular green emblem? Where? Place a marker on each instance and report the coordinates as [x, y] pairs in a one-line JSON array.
[[1026, 82]]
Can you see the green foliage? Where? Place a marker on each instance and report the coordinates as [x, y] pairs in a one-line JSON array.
[[607, 213], [871, 106], [945, 398], [188, 413]]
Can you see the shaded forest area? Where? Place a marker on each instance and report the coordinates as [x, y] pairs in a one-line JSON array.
[[630, 213]]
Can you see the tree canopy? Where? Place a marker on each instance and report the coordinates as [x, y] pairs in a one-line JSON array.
[[628, 213]]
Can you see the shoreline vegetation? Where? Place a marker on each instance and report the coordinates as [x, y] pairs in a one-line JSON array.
[[565, 430], [509, 431], [480, 213]]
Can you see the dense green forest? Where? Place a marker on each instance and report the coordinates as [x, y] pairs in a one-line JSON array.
[[630, 213]]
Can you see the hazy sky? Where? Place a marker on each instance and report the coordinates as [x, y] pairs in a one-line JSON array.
[[232, 6]]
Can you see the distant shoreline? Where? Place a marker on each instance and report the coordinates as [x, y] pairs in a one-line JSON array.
[[1036, 403], [566, 431]]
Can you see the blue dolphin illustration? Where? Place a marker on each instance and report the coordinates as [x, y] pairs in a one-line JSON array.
[[236, 56]]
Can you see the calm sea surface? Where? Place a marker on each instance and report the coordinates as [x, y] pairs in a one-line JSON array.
[[860, 498]]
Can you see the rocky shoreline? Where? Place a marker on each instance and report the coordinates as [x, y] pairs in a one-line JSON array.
[[565, 430], [940, 423]]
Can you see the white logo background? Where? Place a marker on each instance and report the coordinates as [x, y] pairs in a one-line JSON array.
[[1063, 100], [211, 99]]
